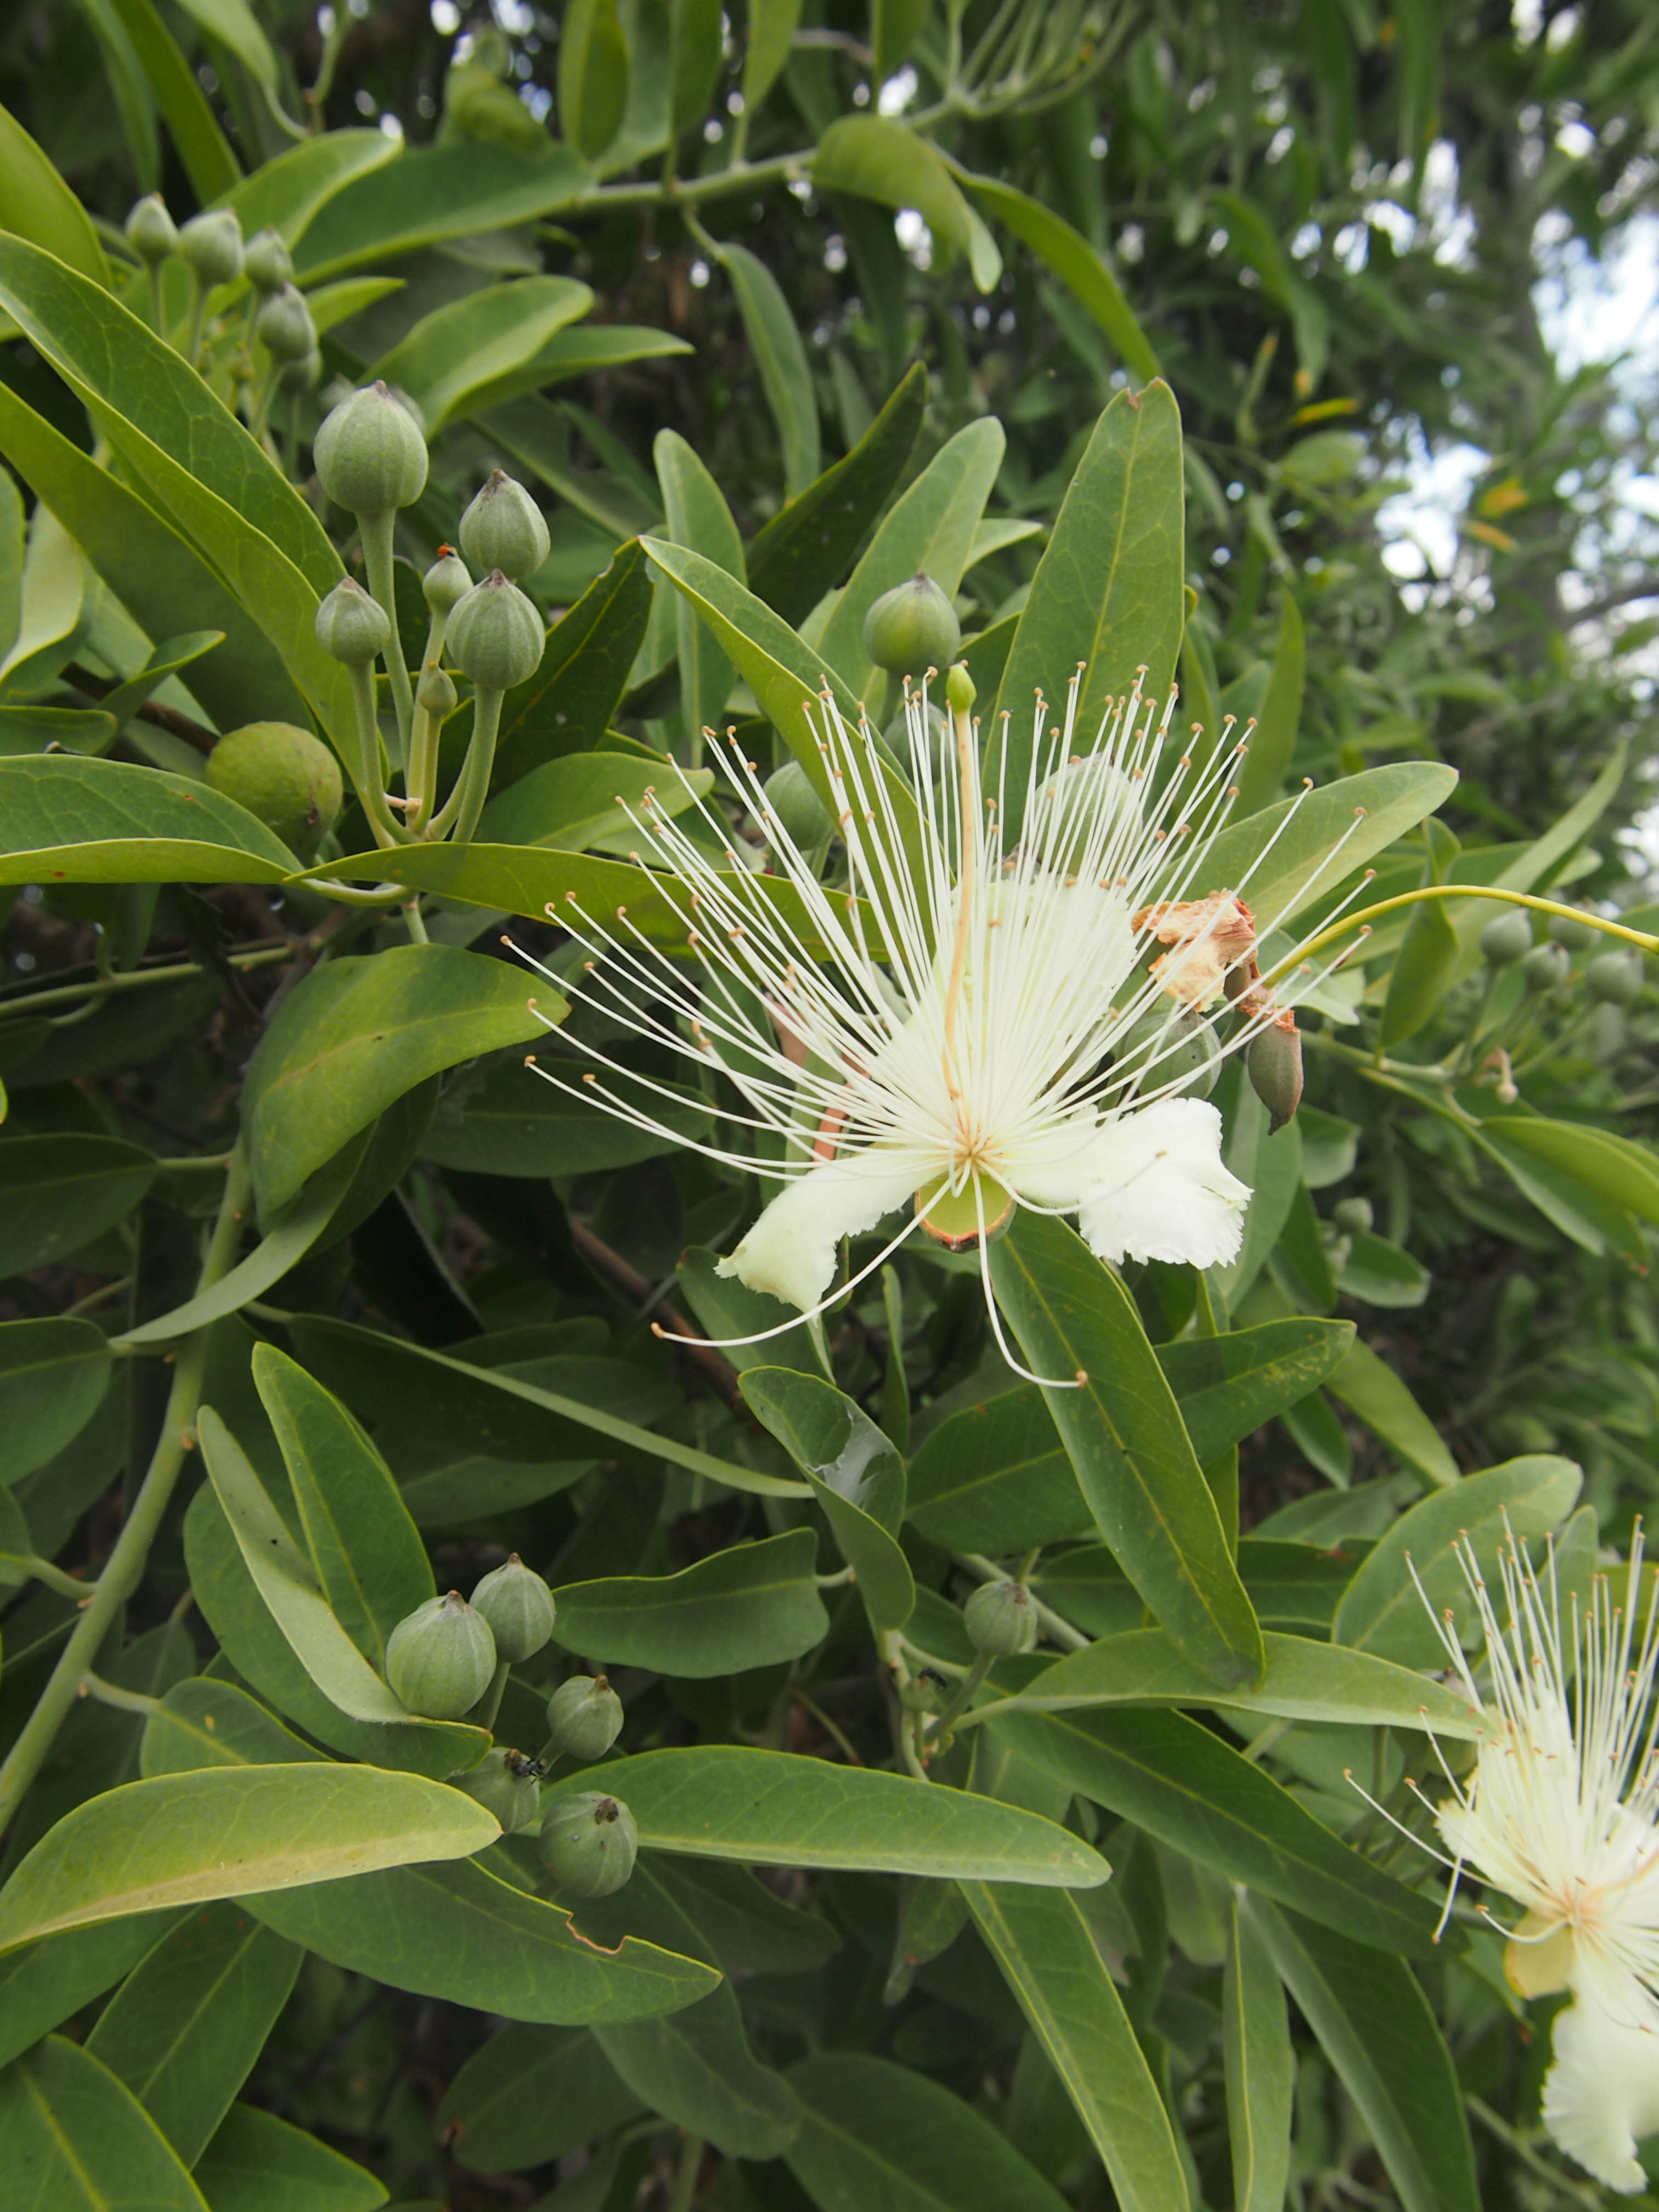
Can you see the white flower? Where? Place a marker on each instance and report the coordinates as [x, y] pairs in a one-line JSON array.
[[964, 1064], [1561, 1813]]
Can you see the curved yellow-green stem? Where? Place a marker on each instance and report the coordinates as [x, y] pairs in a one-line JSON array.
[[1369, 913]]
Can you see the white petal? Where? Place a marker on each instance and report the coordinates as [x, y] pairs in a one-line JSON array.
[[791, 1250], [1602, 2093], [1153, 1187]]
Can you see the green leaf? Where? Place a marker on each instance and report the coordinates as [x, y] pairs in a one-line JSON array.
[[47, 1982], [81, 2143], [94, 820], [358, 1033], [1228, 1385], [1122, 1430], [1337, 829], [699, 517], [771, 31], [530, 2094], [1379, 2031], [208, 161], [507, 1124], [1420, 975], [1049, 1959], [257, 2163], [1382, 1274], [1371, 1389], [775, 347], [58, 1194], [432, 193], [289, 191], [53, 1375], [1273, 742], [1080, 269], [592, 77], [774, 1808], [726, 1308], [466, 346], [878, 158], [184, 2028], [1382, 1612], [35, 203], [1261, 2068], [232, 24], [878, 2137], [567, 704], [750, 1605], [1614, 1167], [588, 799]]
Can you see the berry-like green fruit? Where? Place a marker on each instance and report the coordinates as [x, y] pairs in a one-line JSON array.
[[370, 454], [1546, 966], [439, 1661], [285, 776], [1353, 1216], [283, 325], [506, 1783], [584, 1717], [505, 529], [1169, 1045], [519, 1607], [1614, 978], [1578, 936], [1272, 1060], [447, 582], [1506, 938], [912, 629], [267, 263], [495, 635], [351, 625], [212, 244], [588, 1843], [1001, 1618], [802, 815], [150, 230]]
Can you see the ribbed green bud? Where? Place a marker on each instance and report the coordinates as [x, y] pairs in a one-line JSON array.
[[212, 244], [1578, 936], [283, 325], [506, 1783], [588, 1843], [1272, 1060], [959, 692], [1546, 966], [1001, 1618], [370, 454], [436, 693], [1506, 938], [150, 231], [267, 263], [912, 629], [439, 1661], [505, 529], [447, 582], [300, 375], [1171, 1045], [283, 775], [802, 816], [494, 635], [1353, 1216], [519, 1607], [1614, 978], [584, 1717], [351, 625]]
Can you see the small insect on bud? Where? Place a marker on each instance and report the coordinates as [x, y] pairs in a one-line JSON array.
[[1613, 978], [283, 327], [1353, 1216], [495, 635], [150, 231], [447, 582], [519, 1607], [1001, 1618], [1506, 938], [1546, 966], [1272, 1060], [802, 815], [267, 263], [925, 1692], [440, 1660], [370, 454], [435, 693], [212, 244], [284, 775], [1578, 936], [959, 692], [506, 1783], [912, 629], [351, 625], [505, 529], [584, 1717], [588, 1843]]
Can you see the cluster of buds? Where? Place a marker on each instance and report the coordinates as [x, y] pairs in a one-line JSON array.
[[1212, 952], [1531, 974]]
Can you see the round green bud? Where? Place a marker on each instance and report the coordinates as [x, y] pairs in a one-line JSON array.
[[506, 1783], [959, 692], [1353, 1216], [351, 625], [1273, 1061], [283, 327], [1578, 936], [370, 454], [284, 775], [447, 582], [802, 815], [1001, 1618], [212, 244], [519, 1607], [925, 1692], [912, 629], [1546, 966], [495, 635], [439, 1661], [300, 375], [584, 1717], [505, 529], [267, 263], [1506, 938], [588, 1843], [1613, 978], [150, 231], [1608, 1033], [1171, 1045], [436, 693]]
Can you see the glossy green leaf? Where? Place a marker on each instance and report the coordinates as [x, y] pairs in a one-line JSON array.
[[698, 516], [507, 1122], [874, 2133], [35, 203], [79, 2142], [1260, 2064], [750, 1605], [726, 1308], [1381, 1274], [1080, 269], [1122, 1431], [257, 2163], [771, 28], [94, 820], [1336, 829], [1614, 1167], [202, 147], [1371, 1389], [233, 25], [463, 349], [288, 192], [432, 193], [57, 1194], [777, 350], [1421, 972], [592, 77], [529, 2094], [584, 799], [878, 158], [996, 1478], [1273, 742], [45, 1983], [567, 705], [53, 1375]]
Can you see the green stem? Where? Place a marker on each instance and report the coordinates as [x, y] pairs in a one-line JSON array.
[[375, 530], [261, 406], [466, 802], [744, 177], [112, 1694], [34, 1002], [197, 314], [158, 312], [1366, 916], [124, 1567], [686, 2174], [422, 774], [956, 1703], [43, 1571], [414, 923], [366, 771]]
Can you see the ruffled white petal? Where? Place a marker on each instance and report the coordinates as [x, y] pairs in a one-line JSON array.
[[790, 1252], [1602, 2093], [1153, 1187]]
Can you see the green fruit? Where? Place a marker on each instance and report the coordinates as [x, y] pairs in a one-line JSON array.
[[1001, 1618], [447, 582], [506, 1783], [439, 1661], [1272, 1060], [370, 454], [802, 815], [1614, 978], [266, 264], [495, 635], [285, 776], [505, 529], [283, 327], [1353, 1216], [584, 1717], [1578, 936], [1506, 938], [1546, 966], [912, 629], [150, 231], [588, 1843], [212, 244], [519, 1607], [351, 625], [1167, 1046]]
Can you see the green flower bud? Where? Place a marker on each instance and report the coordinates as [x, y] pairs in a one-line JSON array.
[[266, 264], [1614, 978], [150, 231], [1506, 938], [283, 327], [925, 1692], [519, 1607], [1171, 1045], [584, 1717], [1272, 1060], [1001, 1618], [212, 244], [300, 375], [285, 776], [440, 1660], [447, 582], [506, 1783], [351, 625], [370, 454], [588, 1843], [436, 693], [1353, 1216], [802, 815], [1546, 966], [912, 629], [1608, 1033], [505, 529], [959, 692], [495, 635], [1578, 936]]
